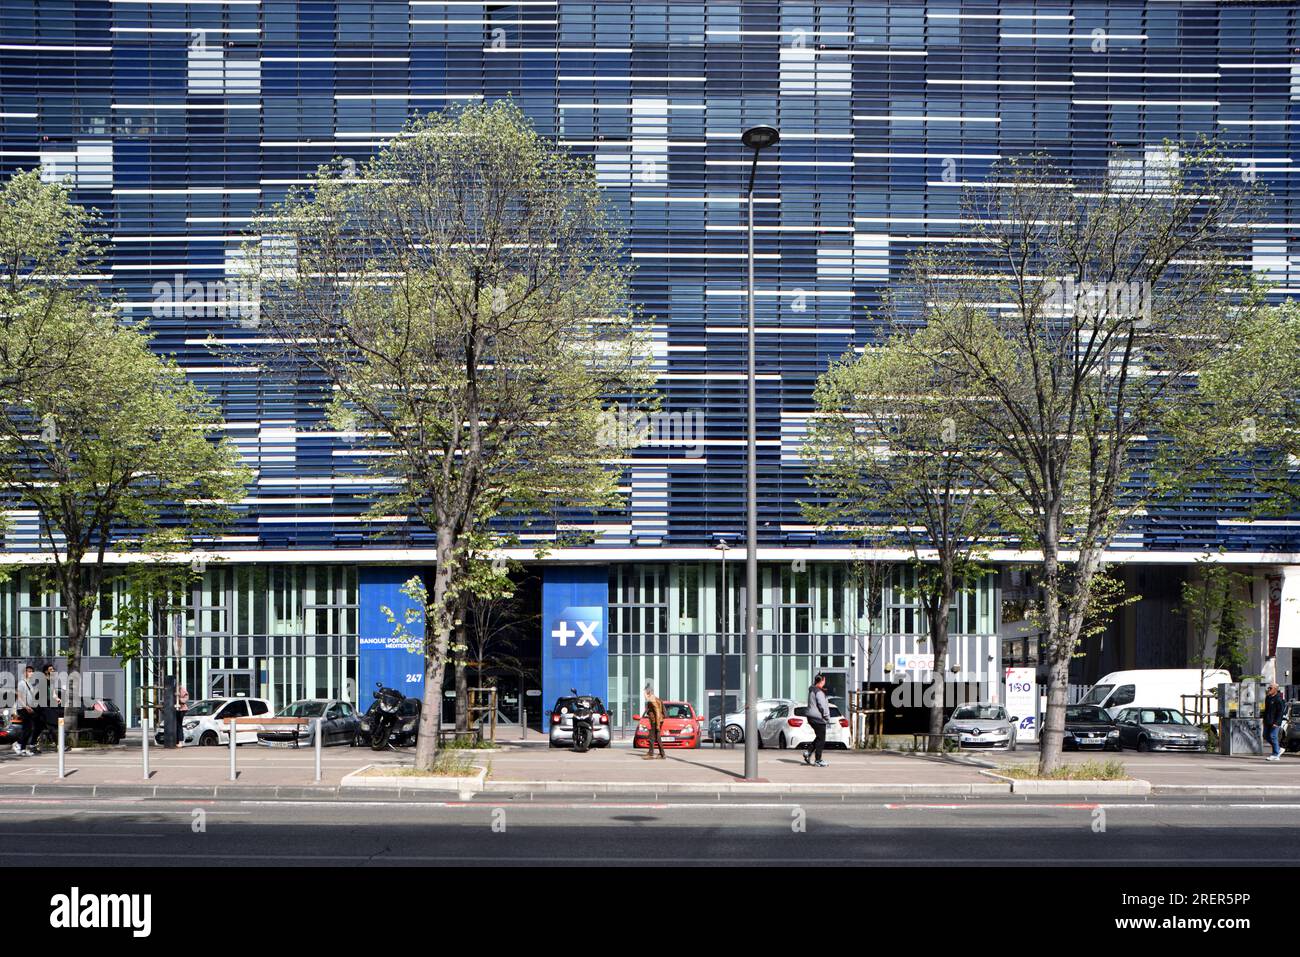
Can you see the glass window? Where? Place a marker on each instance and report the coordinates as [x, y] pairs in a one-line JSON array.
[[1124, 694]]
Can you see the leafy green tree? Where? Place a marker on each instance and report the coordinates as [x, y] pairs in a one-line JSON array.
[[151, 590], [47, 245], [1082, 311], [1215, 605], [887, 452], [464, 296], [113, 449]]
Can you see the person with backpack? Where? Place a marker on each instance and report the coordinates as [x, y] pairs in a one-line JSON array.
[[818, 714]]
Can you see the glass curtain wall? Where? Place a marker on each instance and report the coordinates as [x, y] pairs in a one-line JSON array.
[[285, 631], [676, 627]]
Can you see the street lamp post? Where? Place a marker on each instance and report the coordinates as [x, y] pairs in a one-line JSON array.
[[722, 547], [756, 138]]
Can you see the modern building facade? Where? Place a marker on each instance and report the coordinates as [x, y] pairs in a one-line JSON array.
[[180, 120]]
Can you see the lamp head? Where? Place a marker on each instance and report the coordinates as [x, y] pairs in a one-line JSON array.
[[760, 137]]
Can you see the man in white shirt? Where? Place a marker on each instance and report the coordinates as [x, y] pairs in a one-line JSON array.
[[28, 713]]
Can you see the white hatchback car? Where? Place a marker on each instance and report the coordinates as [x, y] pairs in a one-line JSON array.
[[787, 726], [207, 722]]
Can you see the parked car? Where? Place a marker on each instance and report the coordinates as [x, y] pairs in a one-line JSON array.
[[1089, 728], [787, 726], [1158, 729], [404, 733], [682, 727], [562, 722], [1290, 734], [340, 724], [1154, 688], [735, 721], [984, 726], [207, 721], [103, 720]]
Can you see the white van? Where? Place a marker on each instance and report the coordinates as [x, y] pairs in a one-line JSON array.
[[1157, 688]]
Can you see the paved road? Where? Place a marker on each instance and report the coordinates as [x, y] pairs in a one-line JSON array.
[[245, 833]]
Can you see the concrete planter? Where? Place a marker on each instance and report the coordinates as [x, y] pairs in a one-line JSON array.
[[1075, 788], [469, 784]]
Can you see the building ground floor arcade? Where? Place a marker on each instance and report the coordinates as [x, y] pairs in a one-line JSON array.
[[285, 631]]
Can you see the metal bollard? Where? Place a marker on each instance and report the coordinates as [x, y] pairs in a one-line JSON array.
[[234, 737], [319, 735], [145, 726], [61, 745]]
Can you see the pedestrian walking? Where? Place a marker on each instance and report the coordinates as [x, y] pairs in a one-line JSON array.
[[818, 714], [654, 715], [52, 694], [182, 706], [28, 714], [1274, 707]]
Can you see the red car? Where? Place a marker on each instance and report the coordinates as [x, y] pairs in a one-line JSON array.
[[682, 727]]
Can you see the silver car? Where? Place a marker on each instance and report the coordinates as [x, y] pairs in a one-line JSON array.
[[983, 726], [736, 720], [338, 722], [562, 722], [1158, 729]]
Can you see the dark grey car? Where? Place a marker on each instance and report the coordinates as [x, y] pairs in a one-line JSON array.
[[1158, 729], [339, 724], [1088, 727]]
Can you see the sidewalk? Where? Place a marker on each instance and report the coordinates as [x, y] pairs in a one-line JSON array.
[[533, 768], [1187, 774]]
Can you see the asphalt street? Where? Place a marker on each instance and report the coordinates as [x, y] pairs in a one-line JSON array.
[[116, 833]]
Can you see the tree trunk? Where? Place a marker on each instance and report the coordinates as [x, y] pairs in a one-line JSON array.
[[437, 638], [1063, 636], [462, 685], [78, 624], [939, 642], [1052, 732]]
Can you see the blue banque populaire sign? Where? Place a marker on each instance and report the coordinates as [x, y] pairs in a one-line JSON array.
[[575, 615], [382, 656]]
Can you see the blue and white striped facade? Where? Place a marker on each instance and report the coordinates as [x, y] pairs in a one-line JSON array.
[[179, 119]]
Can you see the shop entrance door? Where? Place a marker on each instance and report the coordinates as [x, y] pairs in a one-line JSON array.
[[837, 689]]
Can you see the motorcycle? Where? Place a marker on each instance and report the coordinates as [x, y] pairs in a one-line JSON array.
[[383, 716], [584, 718]]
